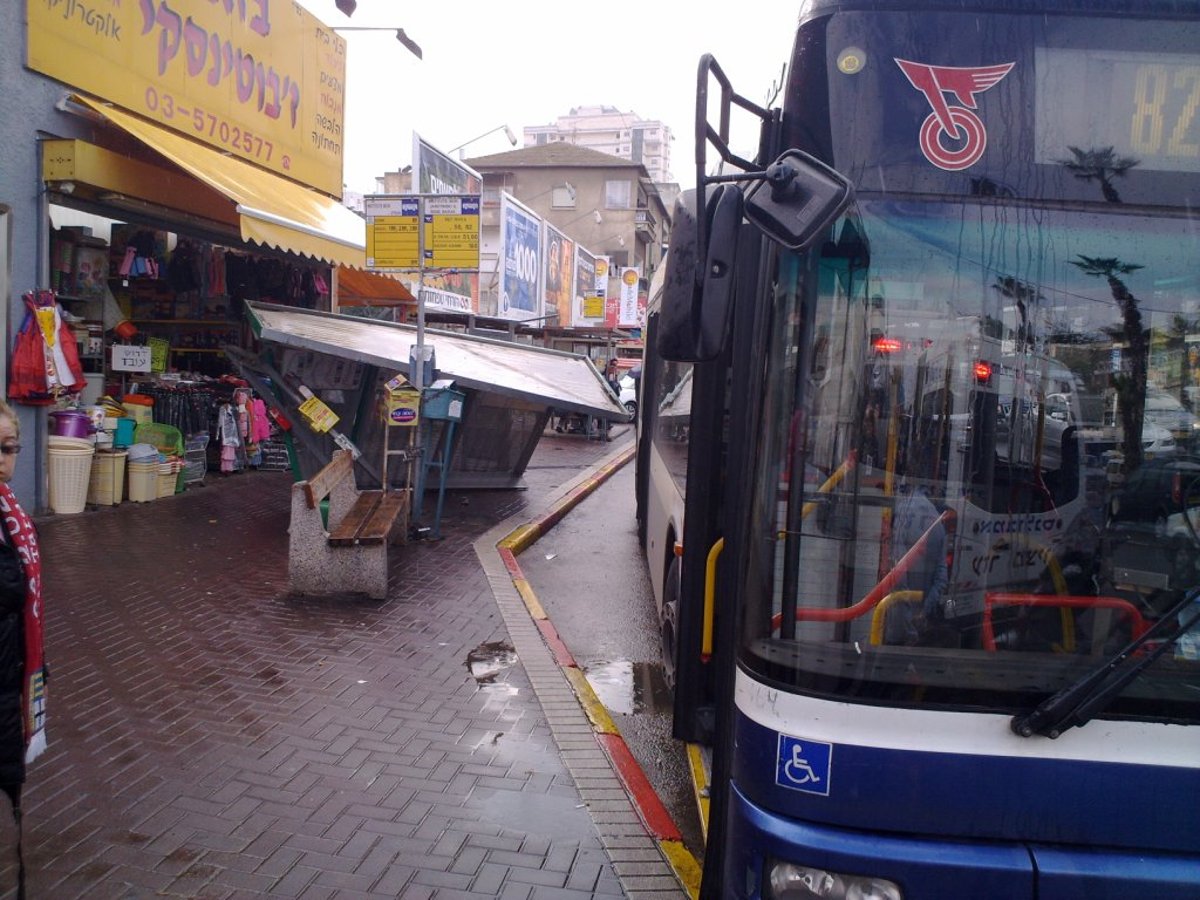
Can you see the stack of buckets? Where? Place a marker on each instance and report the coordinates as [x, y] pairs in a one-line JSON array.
[[71, 450]]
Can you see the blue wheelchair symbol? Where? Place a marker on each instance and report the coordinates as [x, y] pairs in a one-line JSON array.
[[803, 765]]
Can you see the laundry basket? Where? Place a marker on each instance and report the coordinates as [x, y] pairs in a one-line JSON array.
[[70, 474], [166, 439]]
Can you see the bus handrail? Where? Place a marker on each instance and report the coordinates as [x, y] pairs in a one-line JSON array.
[[884, 587], [879, 617], [992, 599], [835, 478], [710, 598]]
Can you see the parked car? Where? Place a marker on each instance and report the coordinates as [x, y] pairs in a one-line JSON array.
[[1156, 490], [628, 394], [1153, 533]]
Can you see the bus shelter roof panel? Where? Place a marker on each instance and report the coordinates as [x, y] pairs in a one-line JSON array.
[[565, 381]]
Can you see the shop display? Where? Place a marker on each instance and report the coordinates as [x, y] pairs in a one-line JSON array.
[[45, 363]]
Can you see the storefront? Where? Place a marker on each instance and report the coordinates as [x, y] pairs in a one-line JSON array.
[[163, 165]]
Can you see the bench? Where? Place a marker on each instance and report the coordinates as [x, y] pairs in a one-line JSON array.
[[350, 554]]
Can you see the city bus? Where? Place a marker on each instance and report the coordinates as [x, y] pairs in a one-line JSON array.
[[928, 573]]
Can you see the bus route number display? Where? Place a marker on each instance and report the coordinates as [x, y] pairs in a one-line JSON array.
[[1138, 105], [393, 236], [452, 232]]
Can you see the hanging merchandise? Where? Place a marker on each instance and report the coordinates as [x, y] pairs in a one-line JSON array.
[[45, 359]]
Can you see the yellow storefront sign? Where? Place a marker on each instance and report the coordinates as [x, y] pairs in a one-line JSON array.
[[260, 80]]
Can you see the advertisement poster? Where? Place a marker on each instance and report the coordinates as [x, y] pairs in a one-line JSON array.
[[434, 172], [585, 313], [603, 266], [520, 257], [627, 315], [558, 279], [260, 81]]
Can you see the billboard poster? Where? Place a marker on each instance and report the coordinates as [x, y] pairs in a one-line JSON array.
[[520, 257], [603, 266], [584, 313], [627, 314], [433, 172], [558, 279]]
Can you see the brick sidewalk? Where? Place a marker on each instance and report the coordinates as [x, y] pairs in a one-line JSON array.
[[212, 737]]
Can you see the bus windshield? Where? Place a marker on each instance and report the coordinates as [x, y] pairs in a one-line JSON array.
[[979, 473]]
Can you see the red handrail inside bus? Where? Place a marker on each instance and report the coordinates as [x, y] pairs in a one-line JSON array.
[[1070, 601], [885, 586]]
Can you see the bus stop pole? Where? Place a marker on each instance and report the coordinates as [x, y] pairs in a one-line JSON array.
[[417, 376]]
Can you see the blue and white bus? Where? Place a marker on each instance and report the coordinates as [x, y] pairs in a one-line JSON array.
[[928, 572]]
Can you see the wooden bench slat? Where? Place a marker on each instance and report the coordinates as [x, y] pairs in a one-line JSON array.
[[370, 520], [347, 531], [318, 487], [383, 517]]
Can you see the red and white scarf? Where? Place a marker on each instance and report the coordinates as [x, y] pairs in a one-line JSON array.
[[33, 692]]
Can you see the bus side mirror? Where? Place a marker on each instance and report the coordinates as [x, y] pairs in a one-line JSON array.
[[798, 200], [697, 298]]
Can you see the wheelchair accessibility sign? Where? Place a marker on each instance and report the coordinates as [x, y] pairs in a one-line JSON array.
[[803, 765]]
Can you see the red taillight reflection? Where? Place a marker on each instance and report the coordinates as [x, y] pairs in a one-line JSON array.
[[887, 345]]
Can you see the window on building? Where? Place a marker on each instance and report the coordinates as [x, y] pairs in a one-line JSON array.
[[618, 258], [563, 197], [618, 194]]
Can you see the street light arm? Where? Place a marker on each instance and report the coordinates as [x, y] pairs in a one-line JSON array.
[[508, 133], [403, 38]]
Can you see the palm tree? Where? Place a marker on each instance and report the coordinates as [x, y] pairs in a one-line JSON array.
[[1101, 165], [1022, 294], [1131, 386]]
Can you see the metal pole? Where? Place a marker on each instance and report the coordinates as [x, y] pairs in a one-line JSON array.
[[418, 377]]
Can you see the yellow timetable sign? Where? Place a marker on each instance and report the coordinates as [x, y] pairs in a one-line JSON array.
[[452, 232], [393, 236]]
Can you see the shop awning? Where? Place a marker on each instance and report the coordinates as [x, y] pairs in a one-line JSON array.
[[359, 288], [273, 211], [565, 381]]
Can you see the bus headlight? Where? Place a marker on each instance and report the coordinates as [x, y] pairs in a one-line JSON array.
[[788, 881]]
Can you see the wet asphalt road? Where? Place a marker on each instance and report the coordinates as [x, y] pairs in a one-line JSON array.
[[590, 576]]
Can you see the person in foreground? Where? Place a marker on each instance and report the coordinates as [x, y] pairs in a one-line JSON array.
[[22, 660]]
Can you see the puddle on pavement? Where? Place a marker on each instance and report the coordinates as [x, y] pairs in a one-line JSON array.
[[487, 661], [626, 687]]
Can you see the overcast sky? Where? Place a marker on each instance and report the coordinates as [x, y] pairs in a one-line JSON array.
[[488, 64]]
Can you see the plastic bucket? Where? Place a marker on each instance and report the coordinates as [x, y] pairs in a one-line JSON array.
[[70, 475], [143, 481], [70, 423], [123, 436], [107, 485]]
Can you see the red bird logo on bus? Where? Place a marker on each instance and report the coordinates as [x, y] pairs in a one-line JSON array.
[[957, 123]]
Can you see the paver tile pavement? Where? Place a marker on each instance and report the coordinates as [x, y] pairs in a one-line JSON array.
[[211, 736]]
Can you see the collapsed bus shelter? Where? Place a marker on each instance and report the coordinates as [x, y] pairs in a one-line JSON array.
[[509, 392]]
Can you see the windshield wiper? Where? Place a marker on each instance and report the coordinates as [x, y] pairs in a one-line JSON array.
[[1078, 703]]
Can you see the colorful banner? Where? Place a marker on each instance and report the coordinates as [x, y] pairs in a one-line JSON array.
[[262, 81], [584, 313], [627, 310], [558, 276], [520, 259]]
